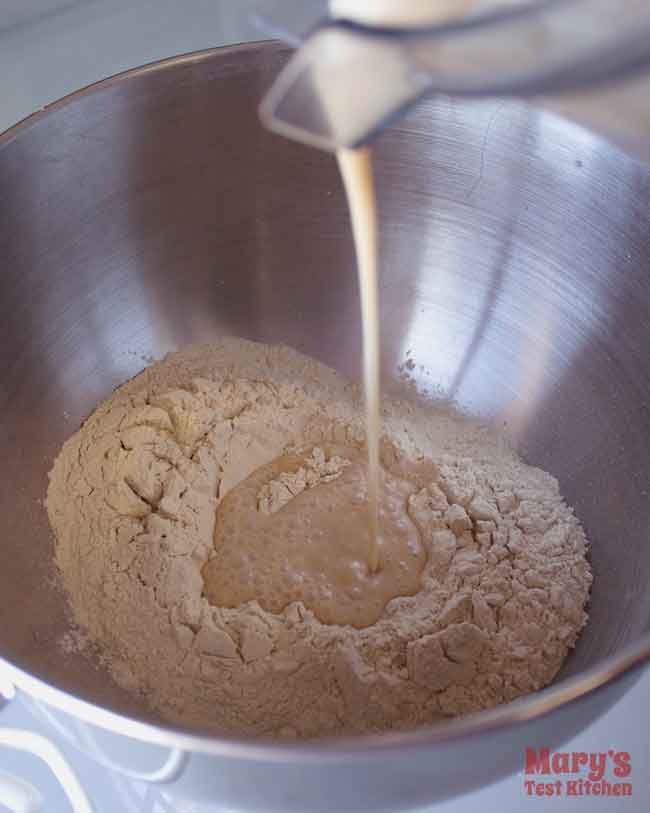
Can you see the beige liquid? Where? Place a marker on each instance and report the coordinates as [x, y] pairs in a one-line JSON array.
[[315, 548], [344, 548], [357, 174], [356, 171], [401, 12]]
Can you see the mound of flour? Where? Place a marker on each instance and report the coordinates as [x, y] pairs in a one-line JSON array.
[[132, 502]]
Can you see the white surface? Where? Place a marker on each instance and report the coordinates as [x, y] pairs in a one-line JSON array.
[[624, 728], [15, 12], [36, 745], [45, 54], [51, 47]]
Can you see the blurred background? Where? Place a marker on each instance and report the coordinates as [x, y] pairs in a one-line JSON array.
[[49, 48]]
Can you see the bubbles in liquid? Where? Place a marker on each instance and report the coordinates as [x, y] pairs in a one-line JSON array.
[[315, 548]]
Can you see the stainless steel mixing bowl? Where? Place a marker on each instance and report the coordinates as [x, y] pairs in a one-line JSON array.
[[152, 210]]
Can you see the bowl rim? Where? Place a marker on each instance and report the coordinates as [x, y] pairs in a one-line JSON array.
[[537, 705], [632, 657]]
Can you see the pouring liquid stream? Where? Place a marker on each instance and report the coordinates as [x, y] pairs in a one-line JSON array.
[[356, 171]]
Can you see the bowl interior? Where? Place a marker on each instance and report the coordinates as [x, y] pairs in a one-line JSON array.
[[153, 211]]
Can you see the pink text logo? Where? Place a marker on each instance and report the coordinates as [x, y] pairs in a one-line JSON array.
[[577, 773]]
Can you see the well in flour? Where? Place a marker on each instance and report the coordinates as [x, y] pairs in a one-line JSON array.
[[133, 498], [314, 546]]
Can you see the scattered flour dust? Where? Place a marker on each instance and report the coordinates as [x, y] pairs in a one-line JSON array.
[[132, 501]]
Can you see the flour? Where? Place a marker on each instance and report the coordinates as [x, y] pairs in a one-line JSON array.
[[279, 492], [132, 501]]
